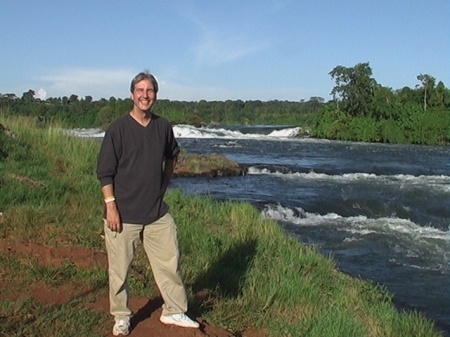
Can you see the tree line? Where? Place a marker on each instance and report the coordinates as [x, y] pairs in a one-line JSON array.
[[361, 110], [364, 110], [86, 112]]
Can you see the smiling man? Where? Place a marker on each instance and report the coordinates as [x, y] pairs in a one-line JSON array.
[[135, 165]]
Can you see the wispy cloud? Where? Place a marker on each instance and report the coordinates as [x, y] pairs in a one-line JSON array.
[[222, 41], [105, 83], [98, 83], [217, 49]]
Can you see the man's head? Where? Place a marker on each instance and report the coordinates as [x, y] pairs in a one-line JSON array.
[[143, 91], [145, 75]]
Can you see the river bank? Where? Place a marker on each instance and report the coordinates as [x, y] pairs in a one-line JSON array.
[[227, 250]]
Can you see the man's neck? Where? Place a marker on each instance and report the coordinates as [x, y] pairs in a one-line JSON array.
[[142, 117]]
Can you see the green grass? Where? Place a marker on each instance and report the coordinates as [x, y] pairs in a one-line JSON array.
[[240, 271], [27, 317]]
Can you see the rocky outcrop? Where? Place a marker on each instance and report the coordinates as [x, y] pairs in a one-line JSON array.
[[212, 165]]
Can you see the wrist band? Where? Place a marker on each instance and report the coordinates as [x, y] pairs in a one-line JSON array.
[[109, 199]]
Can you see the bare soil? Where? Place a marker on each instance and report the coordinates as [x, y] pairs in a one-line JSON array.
[[147, 311]]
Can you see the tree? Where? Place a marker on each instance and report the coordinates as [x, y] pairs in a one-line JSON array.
[[314, 103], [441, 96], [354, 88], [384, 103], [105, 116], [88, 99], [28, 96], [428, 83], [73, 99]]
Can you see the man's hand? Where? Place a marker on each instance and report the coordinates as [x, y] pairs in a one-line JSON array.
[[112, 213], [113, 217], [169, 167]]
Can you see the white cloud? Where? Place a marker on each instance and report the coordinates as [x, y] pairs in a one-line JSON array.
[[41, 94], [105, 83], [98, 83]]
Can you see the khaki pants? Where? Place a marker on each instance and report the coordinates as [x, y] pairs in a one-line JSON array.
[[161, 246]]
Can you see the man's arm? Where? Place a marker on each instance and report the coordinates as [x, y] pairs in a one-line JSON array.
[[106, 170], [112, 213]]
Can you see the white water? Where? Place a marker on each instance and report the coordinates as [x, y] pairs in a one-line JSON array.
[[440, 182], [360, 224], [87, 133], [187, 131]]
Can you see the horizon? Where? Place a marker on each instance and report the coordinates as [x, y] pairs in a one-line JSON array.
[[37, 98]]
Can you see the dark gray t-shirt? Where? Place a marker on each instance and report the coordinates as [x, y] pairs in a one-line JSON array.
[[131, 159]]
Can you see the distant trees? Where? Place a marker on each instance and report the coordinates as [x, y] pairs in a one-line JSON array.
[[72, 99], [363, 110], [354, 88], [28, 96], [89, 113], [239, 112]]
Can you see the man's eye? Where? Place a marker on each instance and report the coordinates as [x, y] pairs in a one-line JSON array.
[[141, 91]]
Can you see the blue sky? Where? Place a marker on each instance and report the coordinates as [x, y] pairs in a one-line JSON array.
[[218, 50]]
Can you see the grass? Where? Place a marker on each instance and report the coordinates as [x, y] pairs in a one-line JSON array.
[[27, 317], [240, 271]]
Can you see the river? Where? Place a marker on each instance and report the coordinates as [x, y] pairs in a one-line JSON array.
[[382, 211]]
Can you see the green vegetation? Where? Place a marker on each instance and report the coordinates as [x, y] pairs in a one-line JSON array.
[[361, 110], [27, 317], [72, 112], [241, 271]]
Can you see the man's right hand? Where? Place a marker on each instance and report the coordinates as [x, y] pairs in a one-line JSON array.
[[113, 217]]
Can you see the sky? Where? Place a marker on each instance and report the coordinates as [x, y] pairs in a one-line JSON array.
[[218, 50]]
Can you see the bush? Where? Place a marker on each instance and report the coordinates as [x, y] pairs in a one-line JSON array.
[[391, 132]]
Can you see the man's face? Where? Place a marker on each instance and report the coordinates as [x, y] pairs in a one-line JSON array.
[[144, 95]]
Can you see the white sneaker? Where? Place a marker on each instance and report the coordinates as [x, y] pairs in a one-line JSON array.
[[121, 328], [179, 320]]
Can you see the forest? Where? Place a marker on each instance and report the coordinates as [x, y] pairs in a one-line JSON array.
[[361, 109]]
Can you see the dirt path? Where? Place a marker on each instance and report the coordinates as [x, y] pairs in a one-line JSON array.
[[147, 311]]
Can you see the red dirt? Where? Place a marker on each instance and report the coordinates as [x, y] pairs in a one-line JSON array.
[[81, 257], [145, 321]]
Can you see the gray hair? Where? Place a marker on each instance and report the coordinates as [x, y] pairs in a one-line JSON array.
[[145, 75]]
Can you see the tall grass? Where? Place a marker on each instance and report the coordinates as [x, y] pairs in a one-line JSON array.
[[240, 271], [47, 182]]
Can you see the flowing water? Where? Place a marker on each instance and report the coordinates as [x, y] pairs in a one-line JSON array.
[[381, 211]]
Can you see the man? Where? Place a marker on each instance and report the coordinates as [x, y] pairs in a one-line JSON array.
[[135, 165]]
